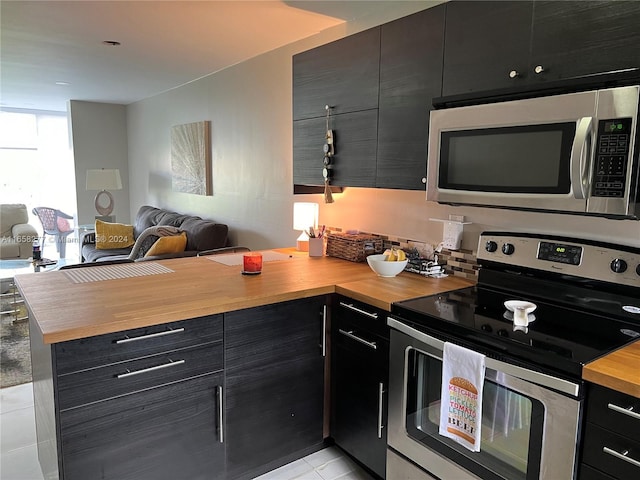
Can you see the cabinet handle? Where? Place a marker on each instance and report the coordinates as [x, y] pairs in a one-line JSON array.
[[358, 339], [151, 335], [151, 369], [514, 74], [324, 330], [380, 409], [539, 69], [627, 411], [622, 456], [359, 310], [220, 414]]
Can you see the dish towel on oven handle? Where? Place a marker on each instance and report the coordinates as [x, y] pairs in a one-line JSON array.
[[461, 397]]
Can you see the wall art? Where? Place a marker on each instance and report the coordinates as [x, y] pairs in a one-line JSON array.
[[191, 158]]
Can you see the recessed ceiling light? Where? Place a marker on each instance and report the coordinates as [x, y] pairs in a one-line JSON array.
[[63, 83], [111, 43]]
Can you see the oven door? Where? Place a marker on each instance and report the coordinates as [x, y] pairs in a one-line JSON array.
[[529, 431]]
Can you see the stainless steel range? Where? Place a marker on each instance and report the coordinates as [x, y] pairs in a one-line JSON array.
[[575, 300]]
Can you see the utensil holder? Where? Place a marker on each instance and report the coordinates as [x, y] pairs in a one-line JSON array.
[[316, 247]]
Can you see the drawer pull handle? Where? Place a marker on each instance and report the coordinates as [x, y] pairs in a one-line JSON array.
[[621, 456], [151, 335], [359, 310], [151, 369], [358, 339], [627, 411]]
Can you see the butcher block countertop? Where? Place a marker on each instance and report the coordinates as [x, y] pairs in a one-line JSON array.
[[198, 286], [619, 370]]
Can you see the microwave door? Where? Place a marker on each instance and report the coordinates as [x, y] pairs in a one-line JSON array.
[[533, 167]]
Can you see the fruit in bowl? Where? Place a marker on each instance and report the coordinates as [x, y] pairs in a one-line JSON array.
[[388, 264]]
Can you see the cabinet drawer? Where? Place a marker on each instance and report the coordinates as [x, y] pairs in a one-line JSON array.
[[362, 317], [590, 473], [118, 379], [86, 353], [603, 450], [614, 411]]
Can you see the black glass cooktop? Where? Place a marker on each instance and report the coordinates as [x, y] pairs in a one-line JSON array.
[[561, 336]]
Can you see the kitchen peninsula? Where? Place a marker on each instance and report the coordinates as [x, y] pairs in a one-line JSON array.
[[218, 357]]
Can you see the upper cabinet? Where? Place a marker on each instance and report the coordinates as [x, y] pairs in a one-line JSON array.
[[342, 74], [519, 44], [572, 39], [410, 77], [380, 83], [484, 42]]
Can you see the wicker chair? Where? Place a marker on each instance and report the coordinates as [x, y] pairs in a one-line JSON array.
[[56, 223]]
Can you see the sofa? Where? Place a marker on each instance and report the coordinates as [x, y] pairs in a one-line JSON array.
[[16, 235], [187, 235]]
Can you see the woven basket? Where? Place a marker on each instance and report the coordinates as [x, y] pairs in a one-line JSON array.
[[355, 248]]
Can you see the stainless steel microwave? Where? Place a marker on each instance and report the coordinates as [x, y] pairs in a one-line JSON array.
[[572, 153]]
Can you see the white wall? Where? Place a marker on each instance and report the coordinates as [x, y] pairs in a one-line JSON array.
[[250, 106], [99, 140]]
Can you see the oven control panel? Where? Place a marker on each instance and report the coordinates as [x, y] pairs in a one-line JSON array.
[[594, 260]]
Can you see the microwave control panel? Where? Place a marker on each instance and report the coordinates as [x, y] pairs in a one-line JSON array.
[[611, 158]]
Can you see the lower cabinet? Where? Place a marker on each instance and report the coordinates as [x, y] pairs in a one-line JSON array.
[[360, 372], [611, 438], [169, 432], [274, 376], [226, 396]]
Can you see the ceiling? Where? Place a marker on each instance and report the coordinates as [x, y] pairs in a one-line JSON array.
[[53, 51]]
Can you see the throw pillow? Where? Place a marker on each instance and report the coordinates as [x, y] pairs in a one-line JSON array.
[[172, 244], [113, 235]]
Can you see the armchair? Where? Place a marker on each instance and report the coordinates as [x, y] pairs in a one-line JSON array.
[[56, 223], [16, 235]]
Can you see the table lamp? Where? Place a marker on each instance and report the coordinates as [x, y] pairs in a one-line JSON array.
[[305, 216], [102, 180]]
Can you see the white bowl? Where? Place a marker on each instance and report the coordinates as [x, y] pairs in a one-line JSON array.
[[384, 268]]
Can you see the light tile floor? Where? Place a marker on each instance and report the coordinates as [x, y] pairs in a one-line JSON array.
[[19, 458]]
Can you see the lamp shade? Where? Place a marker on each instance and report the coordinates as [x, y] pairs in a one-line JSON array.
[[104, 179], [305, 215]]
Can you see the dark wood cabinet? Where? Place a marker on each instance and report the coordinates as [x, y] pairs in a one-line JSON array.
[[142, 404], [611, 439], [576, 38], [354, 162], [342, 74], [274, 376], [167, 433], [359, 382], [410, 77], [522, 44], [484, 42]]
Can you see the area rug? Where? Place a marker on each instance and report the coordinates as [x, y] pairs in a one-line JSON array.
[[15, 355]]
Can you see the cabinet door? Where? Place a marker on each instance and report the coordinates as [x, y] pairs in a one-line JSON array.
[[354, 162], [484, 42], [410, 77], [167, 433], [359, 408], [577, 38], [274, 384], [342, 74]]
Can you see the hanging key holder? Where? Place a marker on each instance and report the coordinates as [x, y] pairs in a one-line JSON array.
[[329, 152]]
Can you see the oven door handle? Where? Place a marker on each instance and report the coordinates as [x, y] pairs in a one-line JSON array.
[[542, 379]]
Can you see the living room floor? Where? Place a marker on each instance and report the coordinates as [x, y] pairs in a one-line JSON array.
[[19, 458]]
